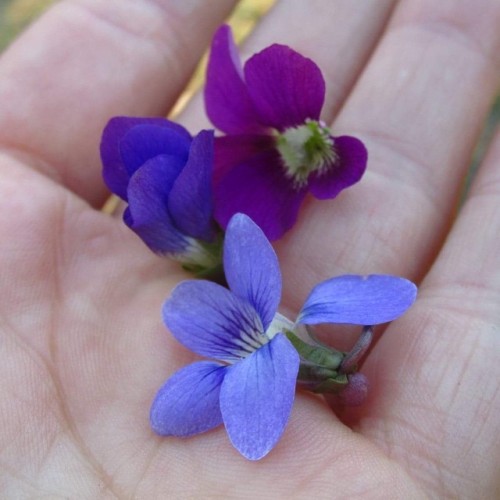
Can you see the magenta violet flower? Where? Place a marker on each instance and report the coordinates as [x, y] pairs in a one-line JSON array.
[[276, 148], [165, 176], [249, 384]]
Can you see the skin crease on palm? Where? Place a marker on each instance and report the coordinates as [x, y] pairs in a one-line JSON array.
[[83, 349]]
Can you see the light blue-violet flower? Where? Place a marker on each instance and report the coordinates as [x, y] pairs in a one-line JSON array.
[[249, 382], [276, 148], [165, 176]]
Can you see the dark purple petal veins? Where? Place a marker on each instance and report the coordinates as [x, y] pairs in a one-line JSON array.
[[227, 102], [188, 402], [251, 267], [211, 321], [286, 87], [257, 395]]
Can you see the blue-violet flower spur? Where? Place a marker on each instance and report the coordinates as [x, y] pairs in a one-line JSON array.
[[276, 148], [165, 175], [250, 385]]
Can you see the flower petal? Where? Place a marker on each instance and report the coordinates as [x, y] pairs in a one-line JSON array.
[[230, 150], [350, 167], [286, 87], [147, 213], [191, 202], [251, 267], [114, 172], [257, 395], [188, 402], [227, 102], [144, 142], [259, 189], [211, 321], [358, 300]]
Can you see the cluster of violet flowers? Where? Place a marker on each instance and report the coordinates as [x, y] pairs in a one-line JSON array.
[[213, 203]]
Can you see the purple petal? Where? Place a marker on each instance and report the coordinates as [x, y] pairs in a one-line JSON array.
[[190, 202], [114, 172], [259, 189], [227, 102], [211, 321], [350, 167], [286, 87], [147, 213], [188, 402], [144, 142], [358, 300], [257, 395], [231, 150], [251, 267]]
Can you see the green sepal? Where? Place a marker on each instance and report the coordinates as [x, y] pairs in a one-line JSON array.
[[314, 373], [332, 385], [317, 355]]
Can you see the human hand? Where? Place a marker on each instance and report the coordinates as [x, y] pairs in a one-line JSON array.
[[83, 346]]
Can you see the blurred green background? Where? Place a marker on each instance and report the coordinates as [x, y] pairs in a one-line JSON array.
[[15, 15]]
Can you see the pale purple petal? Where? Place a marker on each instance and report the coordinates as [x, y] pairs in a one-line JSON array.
[[114, 172], [251, 267], [259, 189], [211, 321], [190, 202], [358, 300], [227, 102], [188, 402], [350, 167], [257, 395], [147, 213], [143, 142], [230, 150], [286, 87]]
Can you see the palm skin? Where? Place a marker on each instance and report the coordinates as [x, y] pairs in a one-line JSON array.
[[82, 344]]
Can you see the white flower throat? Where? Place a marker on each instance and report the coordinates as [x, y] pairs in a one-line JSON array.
[[306, 149]]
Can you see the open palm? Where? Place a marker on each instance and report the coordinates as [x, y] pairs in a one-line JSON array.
[[82, 346]]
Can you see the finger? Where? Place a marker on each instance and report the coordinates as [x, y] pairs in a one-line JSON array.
[[419, 107], [86, 61], [435, 372], [338, 37]]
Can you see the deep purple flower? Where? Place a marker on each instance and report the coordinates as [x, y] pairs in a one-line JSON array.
[[250, 388], [276, 149], [165, 176]]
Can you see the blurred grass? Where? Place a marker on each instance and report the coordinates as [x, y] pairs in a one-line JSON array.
[[15, 15]]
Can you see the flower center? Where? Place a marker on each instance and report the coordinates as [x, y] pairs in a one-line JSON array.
[[306, 149], [279, 324]]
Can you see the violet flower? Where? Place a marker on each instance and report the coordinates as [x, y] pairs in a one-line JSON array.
[[250, 384], [276, 149], [165, 176]]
